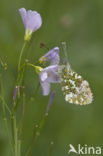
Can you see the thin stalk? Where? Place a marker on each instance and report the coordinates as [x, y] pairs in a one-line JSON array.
[[8, 109], [20, 126], [15, 135], [50, 149], [17, 143], [32, 65], [19, 147], [21, 119], [21, 53], [37, 134], [6, 125], [6, 106], [24, 73], [40, 127], [21, 75], [38, 86], [4, 116], [14, 131], [4, 65], [37, 89]]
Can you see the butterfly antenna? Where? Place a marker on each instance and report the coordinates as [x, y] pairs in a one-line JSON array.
[[65, 53]]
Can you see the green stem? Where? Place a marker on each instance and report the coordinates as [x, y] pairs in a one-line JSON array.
[[37, 134], [38, 86], [21, 53], [19, 147], [17, 143], [4, 115], [15, 135], [50, 149], [20, 125], [5, 67], [8, 109], [37, 89], [32, 65], [24, 73], [6, 124], [6, 106]]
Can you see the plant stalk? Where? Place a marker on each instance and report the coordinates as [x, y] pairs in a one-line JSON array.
[[21, 53]]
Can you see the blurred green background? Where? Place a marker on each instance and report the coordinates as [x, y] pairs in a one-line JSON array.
[[80, 24]]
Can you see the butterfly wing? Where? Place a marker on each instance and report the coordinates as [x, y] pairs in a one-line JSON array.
[[75, 89]]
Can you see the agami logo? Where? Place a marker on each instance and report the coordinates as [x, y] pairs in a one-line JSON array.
[[85, 150]]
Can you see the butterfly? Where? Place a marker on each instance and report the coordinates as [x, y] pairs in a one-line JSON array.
[[75, 89]]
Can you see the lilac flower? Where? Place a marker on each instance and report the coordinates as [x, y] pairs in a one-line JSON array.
[[52, 56], [32, 21], [49, 75]]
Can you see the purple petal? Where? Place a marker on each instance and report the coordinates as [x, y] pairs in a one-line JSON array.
[[52, 56], [49, 75], [52, 68], [45, 87], [43, 76], [31, 19], [54, 78], [23, 15], [34, 20]]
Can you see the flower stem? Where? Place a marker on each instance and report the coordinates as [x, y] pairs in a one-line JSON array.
[[21, 53], [19, 147], [4, 106], [17, 143], [24, 73], [6, 124], [42, 123], [36, 135], [37, 88], [15, 135], [8, 109], [32, 65], [50, 148]]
